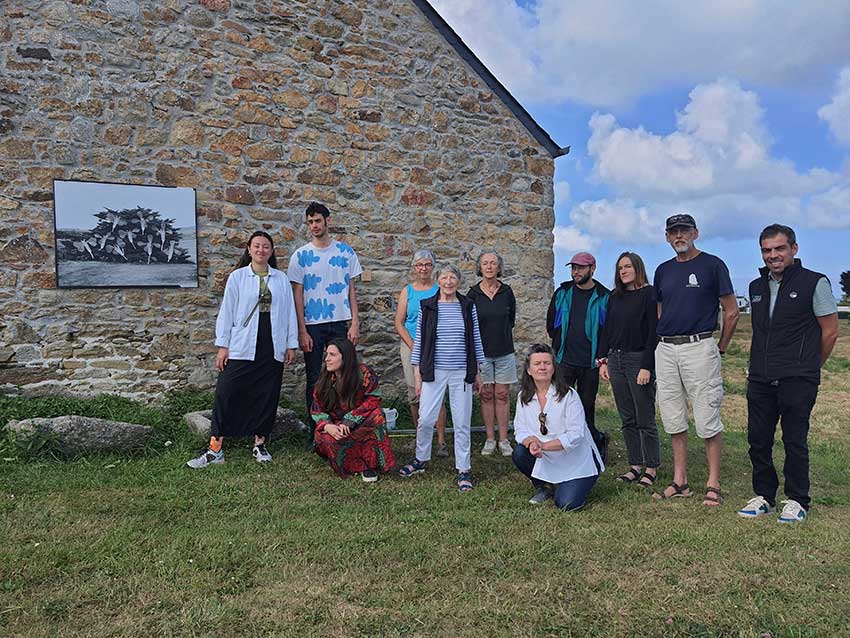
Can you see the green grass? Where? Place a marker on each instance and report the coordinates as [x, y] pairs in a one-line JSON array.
[[142, 546], [111, 546]]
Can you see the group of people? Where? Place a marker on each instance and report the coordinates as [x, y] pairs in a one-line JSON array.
[[653, 343]]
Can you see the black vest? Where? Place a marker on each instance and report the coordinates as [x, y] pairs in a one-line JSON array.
[[428, 334], [789, 343]]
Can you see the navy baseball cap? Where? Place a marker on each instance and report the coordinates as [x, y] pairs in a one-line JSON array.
[[680, 219]]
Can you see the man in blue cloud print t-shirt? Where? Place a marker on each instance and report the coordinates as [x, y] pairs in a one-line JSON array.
[[322, 273]]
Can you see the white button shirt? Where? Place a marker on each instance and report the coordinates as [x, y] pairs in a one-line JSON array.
[[565, 422], [240, 296]]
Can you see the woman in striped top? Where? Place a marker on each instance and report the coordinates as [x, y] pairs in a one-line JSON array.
[[446, 354]]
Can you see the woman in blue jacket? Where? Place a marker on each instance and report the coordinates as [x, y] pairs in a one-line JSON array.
[[256, 333]]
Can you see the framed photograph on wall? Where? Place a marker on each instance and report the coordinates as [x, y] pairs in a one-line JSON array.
[[124, 235]]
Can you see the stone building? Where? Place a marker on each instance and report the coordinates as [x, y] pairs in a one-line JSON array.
[[374, 107]]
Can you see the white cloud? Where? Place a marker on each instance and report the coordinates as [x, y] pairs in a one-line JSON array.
[[571, 239], [717, 165], [830, 209], [562, 193], [609, 53], [837, 113]]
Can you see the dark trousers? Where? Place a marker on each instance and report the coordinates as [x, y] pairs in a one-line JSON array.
[[636, 405], [586, 383], [569, 495], [790, 402], [321, 334]]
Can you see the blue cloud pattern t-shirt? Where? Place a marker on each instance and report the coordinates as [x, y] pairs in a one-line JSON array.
[[325, 274]]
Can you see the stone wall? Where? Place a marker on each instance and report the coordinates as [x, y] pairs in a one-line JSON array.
[[261, 106]]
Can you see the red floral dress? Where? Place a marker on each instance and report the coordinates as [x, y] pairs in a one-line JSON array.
[[367, 447]]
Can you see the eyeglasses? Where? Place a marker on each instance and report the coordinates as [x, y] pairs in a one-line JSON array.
[[426, 266], [541, 418]]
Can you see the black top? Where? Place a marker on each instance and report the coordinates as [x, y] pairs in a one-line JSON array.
[[689, 292], [496, 319], [578, 345], [789, 343], [630, 324]]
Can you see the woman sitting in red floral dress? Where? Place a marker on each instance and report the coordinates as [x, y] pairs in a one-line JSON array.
[[351, 429]]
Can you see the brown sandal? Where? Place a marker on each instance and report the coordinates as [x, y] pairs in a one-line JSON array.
[[679, 491], [713, 497]]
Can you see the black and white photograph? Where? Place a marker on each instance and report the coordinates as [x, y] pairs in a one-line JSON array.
[[124, 235]]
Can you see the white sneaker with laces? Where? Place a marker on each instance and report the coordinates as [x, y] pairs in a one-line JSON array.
[[207, 457], [261, 453], [756, 506], [505, 447], [792, 512], [489, 447]]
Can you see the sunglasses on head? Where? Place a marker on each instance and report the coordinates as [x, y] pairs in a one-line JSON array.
[[541, 418]]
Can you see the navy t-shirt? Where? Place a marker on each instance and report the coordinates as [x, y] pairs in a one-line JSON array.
[[688, 292], [577, 352]]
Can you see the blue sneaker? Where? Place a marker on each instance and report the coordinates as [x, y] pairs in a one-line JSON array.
[[756, 506], [415, 466], [793, 512]]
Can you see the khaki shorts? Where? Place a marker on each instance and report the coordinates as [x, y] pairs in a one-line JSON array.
[[689, 372], [409, 379]]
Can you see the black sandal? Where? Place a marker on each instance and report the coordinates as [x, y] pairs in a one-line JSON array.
[[679, 491], [629, 477], [647, 480]]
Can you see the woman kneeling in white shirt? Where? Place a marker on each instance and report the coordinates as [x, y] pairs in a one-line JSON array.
[[557, 451]]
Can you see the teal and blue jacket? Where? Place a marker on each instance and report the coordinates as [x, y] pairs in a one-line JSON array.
[[558, 318]]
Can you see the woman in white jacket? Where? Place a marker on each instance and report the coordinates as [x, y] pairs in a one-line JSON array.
[[256, 333], [556, 450]]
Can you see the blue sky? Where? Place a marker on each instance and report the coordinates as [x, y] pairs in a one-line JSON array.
[[738, 112]]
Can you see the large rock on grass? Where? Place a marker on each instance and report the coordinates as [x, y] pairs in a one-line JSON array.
[[286, 421], [80, 434]]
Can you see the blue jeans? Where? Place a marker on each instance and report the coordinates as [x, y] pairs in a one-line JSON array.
[[321, 334], [569, 495]]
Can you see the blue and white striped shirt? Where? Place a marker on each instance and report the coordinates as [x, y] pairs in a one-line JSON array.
[[450, 351]]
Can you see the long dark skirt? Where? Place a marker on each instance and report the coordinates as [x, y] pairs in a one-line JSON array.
[[247, 392]]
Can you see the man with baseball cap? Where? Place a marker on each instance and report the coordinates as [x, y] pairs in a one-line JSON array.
[[576, 312], [690, 288]]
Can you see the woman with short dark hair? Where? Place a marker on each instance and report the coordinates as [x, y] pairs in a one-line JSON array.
[[555, 449], [351, 430], [629, 339], [256, 333]]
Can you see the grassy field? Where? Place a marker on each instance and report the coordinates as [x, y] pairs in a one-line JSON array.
[[143, 546]]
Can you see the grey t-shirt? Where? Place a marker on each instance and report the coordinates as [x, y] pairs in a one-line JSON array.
[[823, 303]]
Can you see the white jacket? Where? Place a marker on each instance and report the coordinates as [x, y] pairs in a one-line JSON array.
[[240, 296], [565, 422]]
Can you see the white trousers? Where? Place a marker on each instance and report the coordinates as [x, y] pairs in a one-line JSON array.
[[460, 402]]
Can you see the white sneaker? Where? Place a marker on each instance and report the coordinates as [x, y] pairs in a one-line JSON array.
[[261, 453], [505, 447], [793, 512], [207, 457], [756, 506], [489, 447]]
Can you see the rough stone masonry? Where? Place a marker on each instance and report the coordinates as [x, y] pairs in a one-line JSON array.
[[261, 106]]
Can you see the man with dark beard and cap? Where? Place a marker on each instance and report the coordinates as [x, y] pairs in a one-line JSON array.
[[576, 313]]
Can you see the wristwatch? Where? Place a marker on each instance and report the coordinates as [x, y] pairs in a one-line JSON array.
[[599, 362]]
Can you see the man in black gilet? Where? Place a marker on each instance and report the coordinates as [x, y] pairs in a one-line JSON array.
[[795, 326]]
